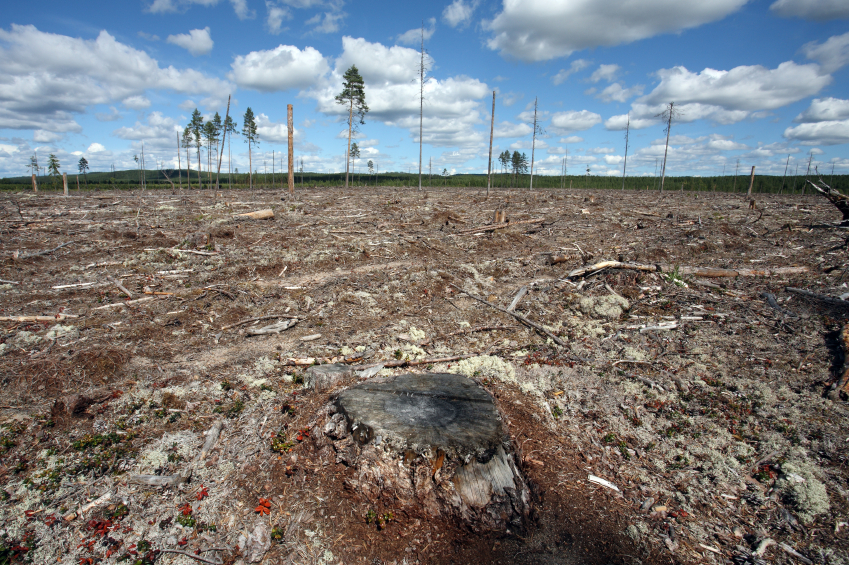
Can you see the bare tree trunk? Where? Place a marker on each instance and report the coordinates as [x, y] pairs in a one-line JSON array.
[[625, 165], [491, 133], [200, 178], [665, 151], [65, 183], [221, 154], [179, 163], [292, 151], [421, 105], [785, 175], [751, 183], [34, 183], [533, 147]]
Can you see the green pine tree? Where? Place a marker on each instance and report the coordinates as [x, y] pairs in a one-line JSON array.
[[353, 96], [251, 138]]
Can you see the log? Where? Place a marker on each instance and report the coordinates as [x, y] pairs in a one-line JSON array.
[[431, 445], [258, 215], [274, 328], [611, 265], [492, 227], [54, 318], [833, 300]]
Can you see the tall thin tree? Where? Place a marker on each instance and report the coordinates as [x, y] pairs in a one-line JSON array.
[[537, 131], [83, 168], [787, 164], [187, 144], [179, 163], [196, 126], [491, 133], [625, 165], [669, 115], [353, 95], [422, 72], [251, 138], [231, 127]]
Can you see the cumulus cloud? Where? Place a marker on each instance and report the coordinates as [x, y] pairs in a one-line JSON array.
[[617, 93], [459, 13], [511, 98], [817, 10], [831, 55], [563, 74], [567, 122], [49, 77], [41, 136], [240, 7], [507, 129], [539, 30], [824, 110], [112, 116], [279, 69], [197, 41], [414, 36], [453, 108], [826, 132], [96, 148], [604, 72], [137, 102], [276, 16], [328, 22]]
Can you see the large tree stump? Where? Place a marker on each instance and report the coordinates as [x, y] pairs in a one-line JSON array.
[[429, 444]]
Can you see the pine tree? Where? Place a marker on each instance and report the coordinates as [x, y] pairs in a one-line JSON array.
[[355, 154], [186, 141], [251, 138], [229, 126], [83, 167], [53, 168], [196, 127], [353, 95]]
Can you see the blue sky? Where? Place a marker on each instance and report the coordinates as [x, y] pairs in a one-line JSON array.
[[755, 81]]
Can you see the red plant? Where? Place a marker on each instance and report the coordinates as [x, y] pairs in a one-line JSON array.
[[185, 509], [264, 506], [202, 493]]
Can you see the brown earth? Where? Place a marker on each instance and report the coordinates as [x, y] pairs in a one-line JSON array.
[[716, 428]]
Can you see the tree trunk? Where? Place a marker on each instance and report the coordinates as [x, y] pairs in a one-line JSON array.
[[431, 445], [250, 166], [350, 129], [291, 150], [200, 178]]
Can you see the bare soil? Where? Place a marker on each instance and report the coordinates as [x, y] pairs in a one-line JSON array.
[[715, 426]]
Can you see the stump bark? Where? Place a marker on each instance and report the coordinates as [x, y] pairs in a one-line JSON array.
[[432, 445]]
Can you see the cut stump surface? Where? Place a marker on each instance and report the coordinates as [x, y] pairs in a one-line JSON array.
[[432, 444]]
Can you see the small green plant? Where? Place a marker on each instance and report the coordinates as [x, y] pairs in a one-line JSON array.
[[277, 533], [398, 354], [298, 378], [174, 457], [264, 386], [280, 444], [556, 411], [370, 516], [226, 386], [623, 449], [235, 409], [609, 438], [675, 277], [186, 521]]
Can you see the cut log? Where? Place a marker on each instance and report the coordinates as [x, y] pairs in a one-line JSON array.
[[258, 215], [500, 226], [430, 445]]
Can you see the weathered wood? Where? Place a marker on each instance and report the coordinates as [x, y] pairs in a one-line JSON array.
[[492, 227], [517, 298], [258, 215], [257, 318], [708, 272], [833, 300], [611, 265], [519, 317], [431, 444], [120, 287], [274, 328], [54, 318], [157, 480], [841, 201], [211, 438]]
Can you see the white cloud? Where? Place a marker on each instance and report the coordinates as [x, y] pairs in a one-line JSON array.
[[414, 36], [275, 132], [600, 151], [240, 7], [507, 129], [567, 122], [616, 93], [329, 23], [613, 159], [41, 136], [197, 41], [96, 148], [158, 127], [137, 102], [832, 132], [604, 72], [619, 123], [511, 98], [824, 110], [577, 65], [459, 13], [49, 77], [832, 54], [187, 105], [112, 116], [572, 139], [818, 10], [276, 16], [279, 69], [539, 30]]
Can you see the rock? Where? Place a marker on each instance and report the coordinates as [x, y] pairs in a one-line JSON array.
[[433, 444], [325, 377], [257, 543]]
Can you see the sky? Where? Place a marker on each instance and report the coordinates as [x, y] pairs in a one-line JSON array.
[[753, 82]]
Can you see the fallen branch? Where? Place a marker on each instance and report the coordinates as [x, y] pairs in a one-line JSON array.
[[274, 328], [821, 297], [519, 317], [54, 318], [256, 319], [493, 227], [611, 265], [770, 299], [180, 250], [517, 298], [46, 252], [158, 480], [120, 287], [258, 215], [211, 438], [412, 363], [840, 200], [468, 331], [127, 303], [2, 281], [649, 382]]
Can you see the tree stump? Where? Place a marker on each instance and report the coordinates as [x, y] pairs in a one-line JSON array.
[[430, 445]]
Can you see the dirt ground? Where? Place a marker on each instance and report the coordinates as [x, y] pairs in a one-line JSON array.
[[702, 404]]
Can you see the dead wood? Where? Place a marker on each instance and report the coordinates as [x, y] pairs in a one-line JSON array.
[[266, 214], [708, 272], [611, 265], [256, 319], [841, 385], [157, 480], [54, 318], [840, 200], [211, 438], [193, 556], [519, 317], [174, 249], [518, 298], [492, 227], [45, 252], [3, 281], [834, 301], [120, 287], [770, 299], [274, 328]]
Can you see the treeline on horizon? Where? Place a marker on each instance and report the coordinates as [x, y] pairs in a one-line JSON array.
[[159, 179]]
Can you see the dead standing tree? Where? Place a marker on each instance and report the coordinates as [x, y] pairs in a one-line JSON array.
[[537, 131], [669, 115], [423, 68]]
